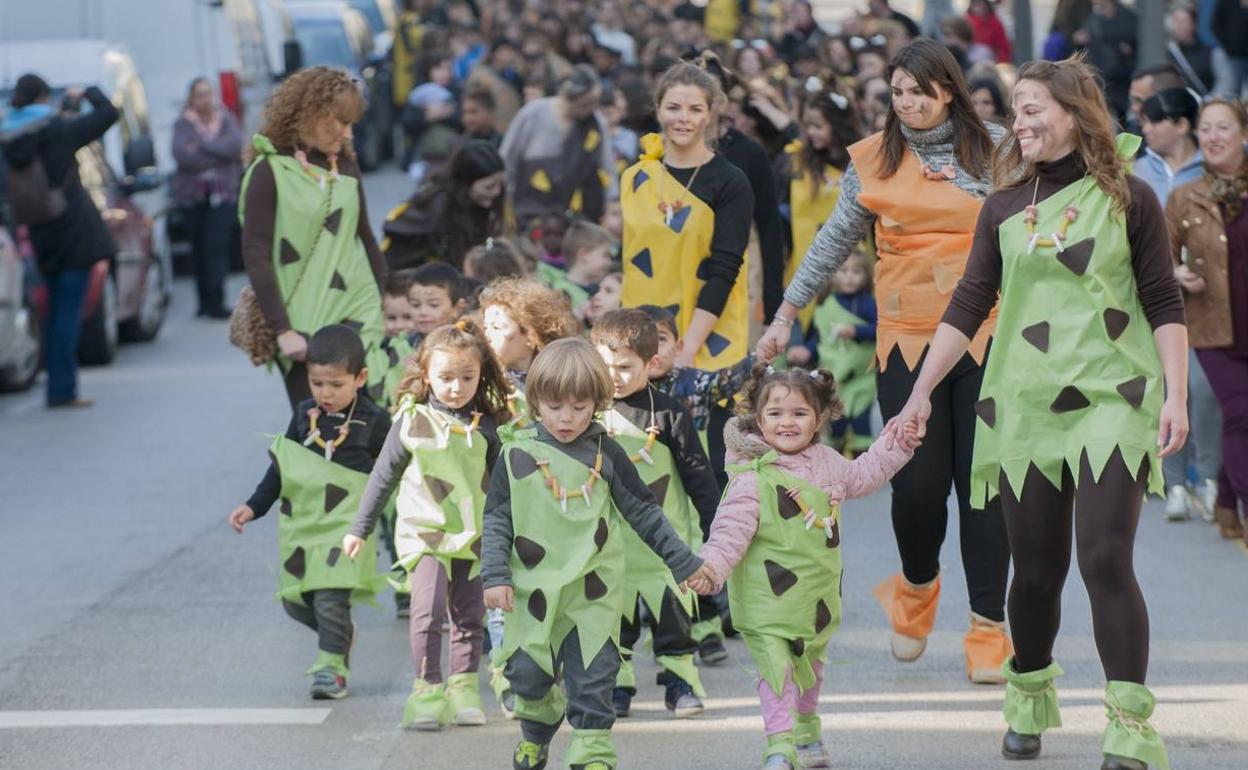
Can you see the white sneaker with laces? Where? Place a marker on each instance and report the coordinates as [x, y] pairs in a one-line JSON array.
[[1177, 504], [1206, 498]]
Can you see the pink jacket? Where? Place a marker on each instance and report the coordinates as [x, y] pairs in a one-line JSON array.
[[736, 521]]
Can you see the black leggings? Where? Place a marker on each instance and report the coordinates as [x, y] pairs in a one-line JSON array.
[[1040, 528], [920, 490], [670, 627]]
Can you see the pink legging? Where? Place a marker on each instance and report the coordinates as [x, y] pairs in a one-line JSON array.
[[778, 710], [429, 607]]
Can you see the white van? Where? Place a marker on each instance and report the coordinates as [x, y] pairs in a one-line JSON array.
[[242, 46]]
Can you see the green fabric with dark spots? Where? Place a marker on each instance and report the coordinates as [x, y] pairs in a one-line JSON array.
[[785, 594], [318, 503], [396, 350], [850, 361], [1074, 368], [322, 269], [567, 567], [646, 574]]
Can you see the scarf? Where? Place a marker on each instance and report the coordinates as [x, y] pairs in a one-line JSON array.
[[1228, 192]]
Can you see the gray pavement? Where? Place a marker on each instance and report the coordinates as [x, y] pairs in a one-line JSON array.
[[140, 632]]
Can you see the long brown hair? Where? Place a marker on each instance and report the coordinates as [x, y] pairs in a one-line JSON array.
[[838, 110], [306, 96], [462, 336], [929, 62], [1076, 88]]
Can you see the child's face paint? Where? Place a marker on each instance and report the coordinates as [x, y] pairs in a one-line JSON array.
[[669, 348], [629, 372], [453, 376], [1044, 130], [566, 420], [333, 387], [788, 422], [432, 306], [506, 338], [398, 316]]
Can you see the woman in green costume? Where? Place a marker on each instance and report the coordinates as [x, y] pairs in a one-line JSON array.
[[1071, 413], [309, 251]]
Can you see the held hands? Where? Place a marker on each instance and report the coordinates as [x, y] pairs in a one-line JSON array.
[[908, 428], [293, 345], [500, 598], [1191, 282], [1172, 429], [240, 516], [351, 545], [772, 343], [704, 580]]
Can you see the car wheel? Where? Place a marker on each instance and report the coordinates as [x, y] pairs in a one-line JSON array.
[[98, 344], [21, 375], [146, 325]]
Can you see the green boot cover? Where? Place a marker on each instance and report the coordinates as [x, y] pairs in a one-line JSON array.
[[1128, 706], [784, 745], [1030, 699], [498, 682], [427, 700], [464, 692], [807, 729], [712, 626], [548, 711], [683, 667], [588, 746], [338, 663], [627, 678]]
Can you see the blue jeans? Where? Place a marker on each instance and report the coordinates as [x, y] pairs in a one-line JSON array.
[[67, 289]]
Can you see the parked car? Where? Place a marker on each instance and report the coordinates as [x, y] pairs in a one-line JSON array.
[[332, 33], [20, 340]]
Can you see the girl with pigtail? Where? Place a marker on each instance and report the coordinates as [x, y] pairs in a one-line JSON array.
[[777, 532], [438, 455]]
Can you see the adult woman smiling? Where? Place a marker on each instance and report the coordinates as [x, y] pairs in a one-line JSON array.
[[921, 183], [309, 253], [687, 214]]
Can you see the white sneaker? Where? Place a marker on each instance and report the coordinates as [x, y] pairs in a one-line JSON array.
[[1177, 504], [1206, 498]]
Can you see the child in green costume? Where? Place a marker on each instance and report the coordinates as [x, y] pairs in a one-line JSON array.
[[587, 251], [658, 435], [319, 470], [778, 532], [438, 457], [553, 557]]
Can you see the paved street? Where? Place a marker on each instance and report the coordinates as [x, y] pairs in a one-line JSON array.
[[140, 632]]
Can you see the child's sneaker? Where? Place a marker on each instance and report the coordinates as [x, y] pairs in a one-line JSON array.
[[712, 651], [328, 684], [778, 762], [427, 708], [463, 692], [622, 702], [813, 755], [530, 756], [1177, 504], [681, 701]]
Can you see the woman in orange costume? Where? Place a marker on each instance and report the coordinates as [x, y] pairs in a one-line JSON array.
[[921, 182]]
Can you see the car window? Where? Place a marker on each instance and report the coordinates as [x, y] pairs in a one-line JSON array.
[[324, 42]]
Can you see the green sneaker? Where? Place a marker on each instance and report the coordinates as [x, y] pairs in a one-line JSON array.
[[427, 708], [464, 693], [530, 756]]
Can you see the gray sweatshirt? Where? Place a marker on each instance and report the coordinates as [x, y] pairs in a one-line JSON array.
[[631, 497]]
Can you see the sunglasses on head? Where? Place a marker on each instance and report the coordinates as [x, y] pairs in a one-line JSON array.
[[858, 43], [758, 44]]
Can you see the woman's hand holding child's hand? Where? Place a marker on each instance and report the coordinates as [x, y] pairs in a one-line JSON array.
[[351, 545], [704, 580], [500, 598], [906, 436], [240, 516]]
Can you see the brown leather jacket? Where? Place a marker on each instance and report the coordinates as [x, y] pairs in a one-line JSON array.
[[1198, 238]]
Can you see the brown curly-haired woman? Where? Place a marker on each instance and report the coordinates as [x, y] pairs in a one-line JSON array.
[[309, 253]]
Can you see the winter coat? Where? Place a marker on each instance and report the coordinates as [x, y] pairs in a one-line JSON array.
[[212, 167]]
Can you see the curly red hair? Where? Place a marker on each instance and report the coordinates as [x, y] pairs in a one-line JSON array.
[[307, 96]]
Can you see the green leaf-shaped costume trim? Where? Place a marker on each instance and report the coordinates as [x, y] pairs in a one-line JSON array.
[[589, 746], [329, 660], [1128, 706], [1030, 699], [427, 700]]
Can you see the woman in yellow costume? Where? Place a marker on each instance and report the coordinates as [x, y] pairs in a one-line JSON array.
[[687, 214], [921, 182]]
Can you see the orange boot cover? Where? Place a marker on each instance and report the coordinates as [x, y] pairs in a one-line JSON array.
[[987, 648], [910, 608]]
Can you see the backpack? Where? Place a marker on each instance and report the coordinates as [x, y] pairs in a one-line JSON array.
[[32, 198]]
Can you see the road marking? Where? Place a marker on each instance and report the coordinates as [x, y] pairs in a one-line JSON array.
[[14, 720]]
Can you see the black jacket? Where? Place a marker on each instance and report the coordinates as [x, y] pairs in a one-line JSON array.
[[78, 238]]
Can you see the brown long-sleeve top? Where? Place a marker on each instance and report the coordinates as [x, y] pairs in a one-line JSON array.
[[260, 201], [1146, 231]]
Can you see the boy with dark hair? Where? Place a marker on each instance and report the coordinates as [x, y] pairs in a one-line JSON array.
[[659, 437], [587, 255], [437, 295], [479, 116], [319, 469], [399, 318]]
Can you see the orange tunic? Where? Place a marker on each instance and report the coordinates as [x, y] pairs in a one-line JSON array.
[[923, 233]]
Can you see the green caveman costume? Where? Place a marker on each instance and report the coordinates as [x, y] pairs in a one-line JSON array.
[[850, 361], [322, 270], [1074, 373]]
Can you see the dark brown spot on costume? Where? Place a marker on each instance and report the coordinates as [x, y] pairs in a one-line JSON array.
[[987, 411], [439, 489], [594, 587], [1038, 336], [658, 488], [294, 564], [823, 616], [333, 221], [537, 605], [530, 553], [476, 548], [284, 507], [336, 282], [332, 558], [522, 463], [780, 578], [420, 427], [1115, 322], [393, 356], [1132, 391], [1069, 400], [788, 507], [600, 535], [797, 647], [334, 495], [287, 254], [1077, 257]]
